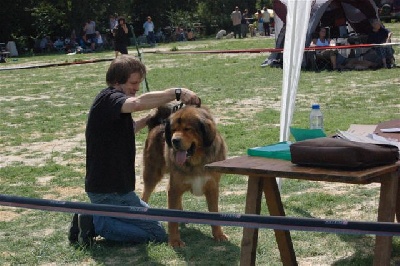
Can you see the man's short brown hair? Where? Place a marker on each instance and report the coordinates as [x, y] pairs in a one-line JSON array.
[[122, 67]]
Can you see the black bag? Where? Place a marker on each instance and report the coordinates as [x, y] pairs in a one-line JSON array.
[[341, 153]]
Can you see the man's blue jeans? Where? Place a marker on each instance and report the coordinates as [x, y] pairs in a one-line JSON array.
[[125, 229]]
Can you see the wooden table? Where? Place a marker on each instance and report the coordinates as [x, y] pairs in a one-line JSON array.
[[262, 174]]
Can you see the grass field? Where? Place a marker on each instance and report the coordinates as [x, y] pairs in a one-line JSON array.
[[43, 115]]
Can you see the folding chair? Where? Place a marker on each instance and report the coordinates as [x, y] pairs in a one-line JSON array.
[[320, 62]]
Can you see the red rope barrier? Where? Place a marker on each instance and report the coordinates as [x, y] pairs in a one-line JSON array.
[[79, 62], [272, 50]]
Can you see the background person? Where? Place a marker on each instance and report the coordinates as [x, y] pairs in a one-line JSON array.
[[46, 45], [244, 23], [149, 31], [379, 35], [265, 20], [259, 16], [322, 40], [120, 33], [236, 18], [190, 35], [112, 24], [111, 150], [90, 33], [99, 41]]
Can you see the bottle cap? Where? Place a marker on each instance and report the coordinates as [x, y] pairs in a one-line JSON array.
[[315, 106]]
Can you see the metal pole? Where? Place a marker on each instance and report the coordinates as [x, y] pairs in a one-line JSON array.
[[145, 84]]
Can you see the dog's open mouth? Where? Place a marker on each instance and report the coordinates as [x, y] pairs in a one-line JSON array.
[[182, 155]]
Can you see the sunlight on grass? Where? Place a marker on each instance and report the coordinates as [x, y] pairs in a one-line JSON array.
[[43, 116]]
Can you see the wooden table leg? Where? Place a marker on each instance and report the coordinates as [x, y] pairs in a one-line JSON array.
[[275, 207], [386, 213], [250, 235]]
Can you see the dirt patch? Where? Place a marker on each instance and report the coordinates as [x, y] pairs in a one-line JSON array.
[[37, 153], [60, 193], [8, 215]]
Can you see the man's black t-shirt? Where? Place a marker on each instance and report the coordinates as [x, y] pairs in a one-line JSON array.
[[110, 145]]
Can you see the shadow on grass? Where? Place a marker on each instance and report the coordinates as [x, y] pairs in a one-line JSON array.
[[200, 249], [363, 247], [299, 211], [363, 252], [105, 252]]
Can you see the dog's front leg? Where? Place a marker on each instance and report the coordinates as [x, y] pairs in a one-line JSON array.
[[174, 202], [211, 191]]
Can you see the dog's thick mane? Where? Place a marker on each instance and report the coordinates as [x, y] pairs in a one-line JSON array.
[[161, 121], [162, 114]]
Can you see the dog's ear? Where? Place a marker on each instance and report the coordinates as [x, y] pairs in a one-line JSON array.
[[209, 131], [167, 133]]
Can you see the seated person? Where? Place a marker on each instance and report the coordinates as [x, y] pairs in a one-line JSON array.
[[160, 36], [59, 44], [181, 35], [99, 41], [323, 41], [379, 35], [190, 35], [46, 44]]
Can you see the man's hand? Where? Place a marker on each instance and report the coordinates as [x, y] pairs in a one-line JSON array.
[[188, 97]]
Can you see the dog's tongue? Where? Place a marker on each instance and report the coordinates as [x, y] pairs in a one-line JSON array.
[[180, 157]]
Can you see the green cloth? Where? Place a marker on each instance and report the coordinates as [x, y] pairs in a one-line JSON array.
[[300, 134]]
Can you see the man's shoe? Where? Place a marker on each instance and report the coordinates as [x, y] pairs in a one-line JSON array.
[[73, 231], [265, 63], [86, 230]]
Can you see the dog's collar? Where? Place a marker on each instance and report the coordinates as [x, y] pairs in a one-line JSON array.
[[177, 107], [181, 104]]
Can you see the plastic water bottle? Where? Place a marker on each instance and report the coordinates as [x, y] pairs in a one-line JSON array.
[[316, 117]]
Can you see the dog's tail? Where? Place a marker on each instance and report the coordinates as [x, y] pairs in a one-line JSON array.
[[162, 113]]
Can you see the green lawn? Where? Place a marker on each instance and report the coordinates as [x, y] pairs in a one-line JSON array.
[[43, 114]]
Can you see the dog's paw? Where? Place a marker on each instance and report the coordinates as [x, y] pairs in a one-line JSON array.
[[221, 237], [176, 243]]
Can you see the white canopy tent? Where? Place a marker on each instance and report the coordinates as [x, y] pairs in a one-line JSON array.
[[297, 19]]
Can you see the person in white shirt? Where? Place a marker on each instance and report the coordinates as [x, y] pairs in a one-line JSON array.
[[236, 18], [113, 22], [90, 31], [266, 19]]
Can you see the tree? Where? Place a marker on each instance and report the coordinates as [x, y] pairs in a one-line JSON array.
[[48, 20], [15, 20], [26, 20]]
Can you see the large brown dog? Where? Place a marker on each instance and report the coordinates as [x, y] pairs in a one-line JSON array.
[[182, 146]]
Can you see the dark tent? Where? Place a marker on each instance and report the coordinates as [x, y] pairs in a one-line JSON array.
[[342, 17]]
